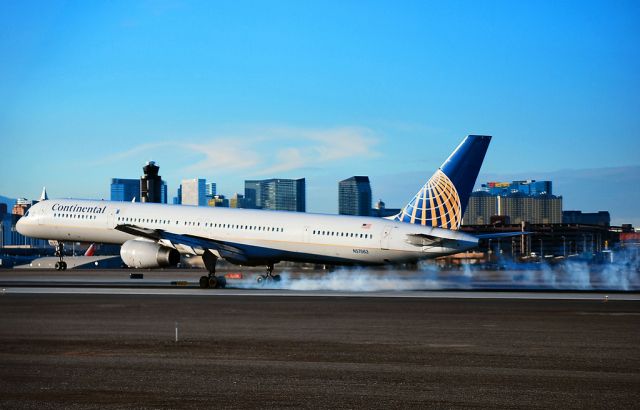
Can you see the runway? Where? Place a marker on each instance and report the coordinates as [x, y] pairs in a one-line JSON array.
[[240, 350], [348, 283]]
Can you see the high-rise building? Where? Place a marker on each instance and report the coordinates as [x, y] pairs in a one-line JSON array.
[[354, 196], [540, 209], [163, 193], [276, 194], [151, 184], [125, 189], [210, 189], [527, 187], [521, 201], [481, 207], [177, 200], [252, 194], [193, 192], [237, 201]]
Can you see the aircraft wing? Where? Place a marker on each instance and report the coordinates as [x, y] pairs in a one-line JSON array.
[[191, 244]]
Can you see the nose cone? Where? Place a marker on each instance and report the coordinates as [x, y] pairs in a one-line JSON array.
[[20, 226]]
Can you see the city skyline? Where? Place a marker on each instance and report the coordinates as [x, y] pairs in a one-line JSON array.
[[89, 91]]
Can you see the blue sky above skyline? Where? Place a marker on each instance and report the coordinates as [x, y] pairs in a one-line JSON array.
[[229, 91]]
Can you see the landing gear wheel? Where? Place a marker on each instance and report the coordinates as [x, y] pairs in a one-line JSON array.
[[64, 265], [204, 282], [58, 265], [222, 282], [213, 282], [269, 277]]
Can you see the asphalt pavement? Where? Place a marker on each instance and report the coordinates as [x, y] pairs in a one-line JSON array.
[[306, 351]]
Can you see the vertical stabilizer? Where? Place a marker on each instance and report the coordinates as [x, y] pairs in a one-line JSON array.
[[443, 199]]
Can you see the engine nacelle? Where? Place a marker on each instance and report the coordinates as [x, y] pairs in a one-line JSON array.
[[137, 253]]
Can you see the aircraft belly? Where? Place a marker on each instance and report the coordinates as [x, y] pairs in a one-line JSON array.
[[323, 253]]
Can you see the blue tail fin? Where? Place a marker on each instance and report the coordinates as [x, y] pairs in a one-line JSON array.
[[443, 199]]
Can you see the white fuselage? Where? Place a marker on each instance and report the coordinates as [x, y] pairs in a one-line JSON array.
[[264, 235]]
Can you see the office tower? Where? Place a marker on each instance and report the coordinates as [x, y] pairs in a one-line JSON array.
[[481, 207], [163, 192], [354, 196], [527, 187], [193, 192], [252, 194], [540, 209], [210, 190], [237, 201], [276, 194], [125, 189], [177, 200]]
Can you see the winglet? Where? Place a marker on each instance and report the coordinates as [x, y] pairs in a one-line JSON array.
[[43, 195]]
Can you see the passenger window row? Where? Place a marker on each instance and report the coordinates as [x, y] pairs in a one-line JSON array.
[[74, 216], [344, 234], [206, 224]]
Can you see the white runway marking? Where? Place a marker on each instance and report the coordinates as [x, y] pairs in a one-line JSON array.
[[291, 293]]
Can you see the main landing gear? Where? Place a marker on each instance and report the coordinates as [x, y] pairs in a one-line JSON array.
[[61, 264], [269, 277], [211, 281]]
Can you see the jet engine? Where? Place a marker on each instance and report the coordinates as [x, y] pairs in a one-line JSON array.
[[137, 253]]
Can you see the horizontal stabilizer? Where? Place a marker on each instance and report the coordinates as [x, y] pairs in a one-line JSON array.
[[500, 235]]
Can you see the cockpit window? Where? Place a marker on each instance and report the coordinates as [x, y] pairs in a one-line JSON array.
[[26, 214]]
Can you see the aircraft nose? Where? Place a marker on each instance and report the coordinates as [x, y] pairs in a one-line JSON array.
[[20, 225]]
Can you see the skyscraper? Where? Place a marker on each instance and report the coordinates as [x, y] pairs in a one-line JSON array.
[[177, 200], [354, 196], [252, 194], [481, 207], [276, 194], [163, 192], [193, 192], [527, 187], [151, 184], [125, 189], [210, 190], [522, 201]]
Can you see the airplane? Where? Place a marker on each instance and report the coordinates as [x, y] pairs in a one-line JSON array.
[[154, 235]]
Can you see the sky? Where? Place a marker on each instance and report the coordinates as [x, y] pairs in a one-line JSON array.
[[228, 91]]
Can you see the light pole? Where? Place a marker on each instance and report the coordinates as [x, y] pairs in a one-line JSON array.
[[540, 248], [564, 246]]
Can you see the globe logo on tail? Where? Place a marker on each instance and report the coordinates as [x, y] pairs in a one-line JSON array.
[[437, 204]]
